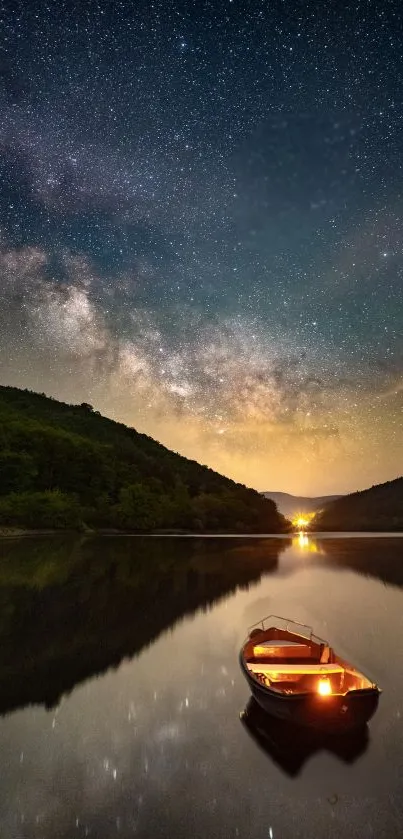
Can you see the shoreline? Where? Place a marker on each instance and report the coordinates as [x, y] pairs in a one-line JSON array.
[[19, 532]]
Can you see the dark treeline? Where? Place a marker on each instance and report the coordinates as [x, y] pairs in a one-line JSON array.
[[379, 508], [66, 466]]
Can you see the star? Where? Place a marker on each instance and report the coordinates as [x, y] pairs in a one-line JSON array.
[[200, 222]]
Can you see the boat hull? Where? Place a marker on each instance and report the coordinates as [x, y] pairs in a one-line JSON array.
[[327, 713]]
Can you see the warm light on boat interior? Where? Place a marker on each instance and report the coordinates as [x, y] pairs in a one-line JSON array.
[[324, 687], [276, 666], [296, 675]]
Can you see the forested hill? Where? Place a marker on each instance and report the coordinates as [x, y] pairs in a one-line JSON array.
[[66, 466], [379, 508]]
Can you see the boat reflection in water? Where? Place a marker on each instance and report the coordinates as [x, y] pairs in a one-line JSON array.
[[290, 746]]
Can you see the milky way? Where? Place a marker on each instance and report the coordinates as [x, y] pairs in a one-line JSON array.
[[200, 228]]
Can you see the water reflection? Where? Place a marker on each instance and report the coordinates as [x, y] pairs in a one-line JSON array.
[[370, 557], [154, 746], [72, 609], [290, 747], [306, 543], [376, 556]]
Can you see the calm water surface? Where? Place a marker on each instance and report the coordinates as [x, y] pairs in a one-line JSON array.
[[121, 693]]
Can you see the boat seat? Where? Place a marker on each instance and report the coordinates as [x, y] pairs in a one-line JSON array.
[[294, 669], [286, 651]]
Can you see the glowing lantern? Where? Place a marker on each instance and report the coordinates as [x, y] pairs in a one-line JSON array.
[[324, 687]]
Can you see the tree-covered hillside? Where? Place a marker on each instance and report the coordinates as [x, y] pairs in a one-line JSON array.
[[378, 508], [65, 466]]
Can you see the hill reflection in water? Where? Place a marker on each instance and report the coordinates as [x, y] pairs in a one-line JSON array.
[[370, 557], [71, 609]]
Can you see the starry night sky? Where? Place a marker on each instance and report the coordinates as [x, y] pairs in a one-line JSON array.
[[201, 227]]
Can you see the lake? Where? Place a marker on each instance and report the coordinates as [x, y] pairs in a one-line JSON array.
[[121, 694]]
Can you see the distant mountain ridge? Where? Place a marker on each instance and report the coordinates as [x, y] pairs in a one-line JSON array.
[[289, 505], [379, 508]]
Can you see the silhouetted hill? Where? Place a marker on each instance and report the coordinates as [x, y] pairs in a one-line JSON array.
[[290, 505], [379, 508], [65, 466]]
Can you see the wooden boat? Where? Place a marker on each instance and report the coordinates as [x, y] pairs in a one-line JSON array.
[[297, 677]]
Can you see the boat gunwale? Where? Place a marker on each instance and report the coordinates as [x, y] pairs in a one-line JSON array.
[[310, 637], [295, 697], [310, 640]]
